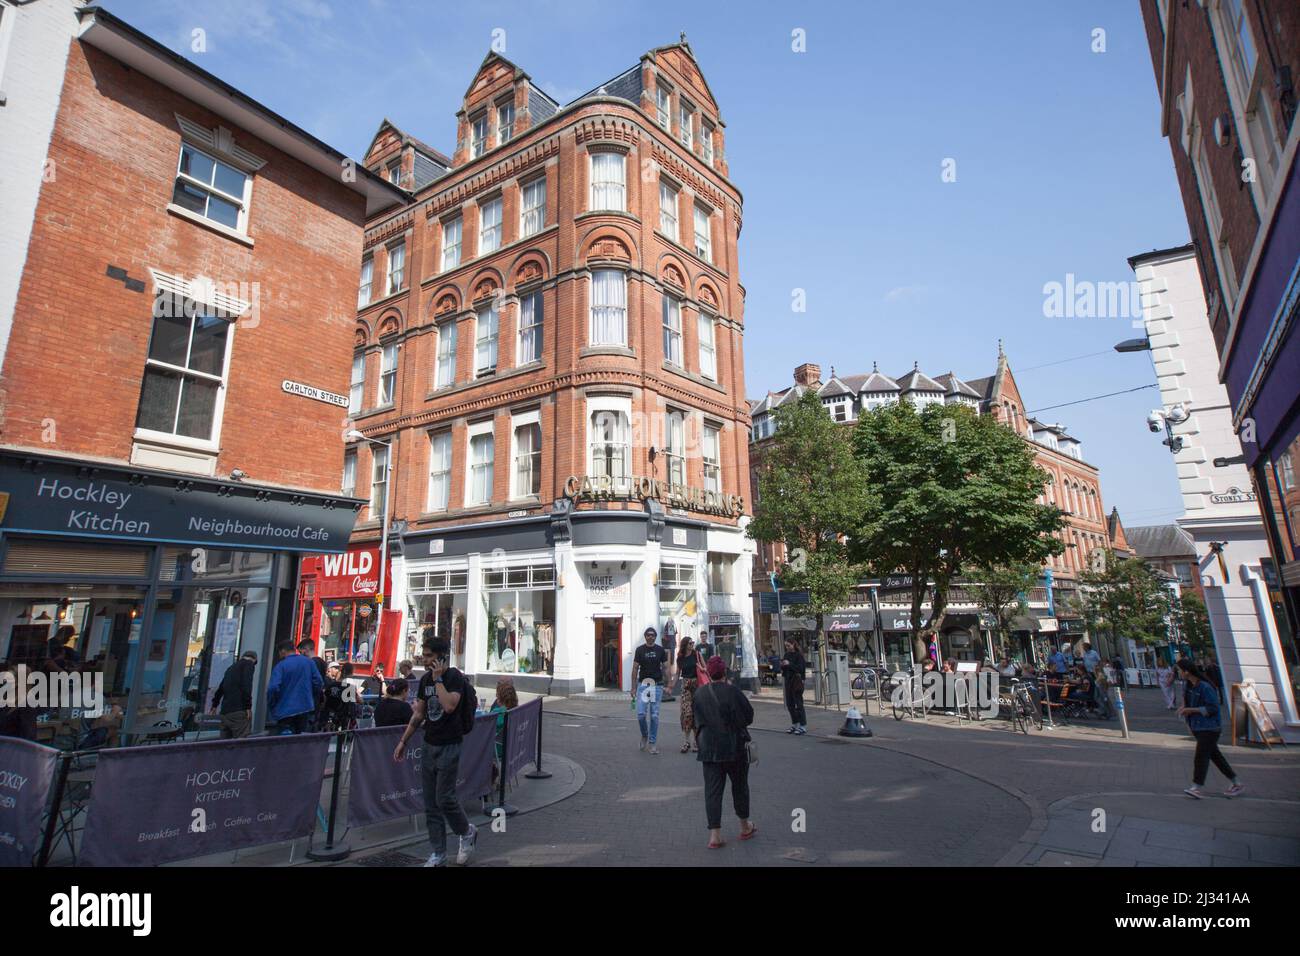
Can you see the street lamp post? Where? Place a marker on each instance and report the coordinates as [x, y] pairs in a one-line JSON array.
[[355, 435]]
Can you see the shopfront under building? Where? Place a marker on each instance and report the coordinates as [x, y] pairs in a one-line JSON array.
[[157, 582]]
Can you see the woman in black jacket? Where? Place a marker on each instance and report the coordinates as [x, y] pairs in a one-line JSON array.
[[722, 714], [794, 668]]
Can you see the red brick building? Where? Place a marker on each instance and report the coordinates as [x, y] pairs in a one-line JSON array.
[[1075, 488], [173, 375], [548, 353]]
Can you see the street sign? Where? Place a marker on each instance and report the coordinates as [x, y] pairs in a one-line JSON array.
[[794, 597], [767, 602]]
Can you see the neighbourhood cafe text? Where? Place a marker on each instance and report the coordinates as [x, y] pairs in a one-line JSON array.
[[642, 488]]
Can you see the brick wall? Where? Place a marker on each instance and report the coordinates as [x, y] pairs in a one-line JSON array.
[[77, 352], [557, 262]]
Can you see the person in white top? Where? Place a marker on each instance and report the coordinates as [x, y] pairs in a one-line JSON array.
[[1165, 678]]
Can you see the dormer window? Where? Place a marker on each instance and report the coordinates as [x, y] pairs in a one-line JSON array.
[[478, 136], [395, 172]]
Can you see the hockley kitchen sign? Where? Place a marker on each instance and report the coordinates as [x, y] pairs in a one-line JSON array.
[[55, 497]]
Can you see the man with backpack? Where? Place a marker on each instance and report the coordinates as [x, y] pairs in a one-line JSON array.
[[444, 707]]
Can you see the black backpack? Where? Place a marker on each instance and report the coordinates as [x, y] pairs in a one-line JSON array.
[[467, 709]]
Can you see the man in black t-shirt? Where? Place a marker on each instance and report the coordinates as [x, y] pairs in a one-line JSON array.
[[648, 666], [439, 696]]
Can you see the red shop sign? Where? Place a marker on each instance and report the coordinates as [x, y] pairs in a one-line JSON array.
[[350, 574]]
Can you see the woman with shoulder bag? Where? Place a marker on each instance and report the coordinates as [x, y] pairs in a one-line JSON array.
[[690, 669], [723, 715]]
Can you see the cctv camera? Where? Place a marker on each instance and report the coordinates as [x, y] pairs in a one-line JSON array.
[[1156, 420]]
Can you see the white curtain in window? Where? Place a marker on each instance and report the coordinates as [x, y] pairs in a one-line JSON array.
[[712, 459], [708, 351], [533, 217], [611, 452], [439, 471], [358, 385], [446, 371], [672, 330], [667, 210], [481, 454], [450, 245], [397, 268], [608, 307], [489, 233], [485, 341], [530, 329], [608, 183]]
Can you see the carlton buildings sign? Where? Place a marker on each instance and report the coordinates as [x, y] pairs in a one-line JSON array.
[[641, 488]]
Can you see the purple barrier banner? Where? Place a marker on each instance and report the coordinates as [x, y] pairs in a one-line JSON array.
[[380, 788], [521, 737], [26, 774], [152, 805]]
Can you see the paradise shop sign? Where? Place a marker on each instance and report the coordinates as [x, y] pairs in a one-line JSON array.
[[643, 488]]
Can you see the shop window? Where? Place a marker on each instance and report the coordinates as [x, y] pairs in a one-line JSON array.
[[438, 607], [677, 598], [720, 566], [519, 604], [348, 630]]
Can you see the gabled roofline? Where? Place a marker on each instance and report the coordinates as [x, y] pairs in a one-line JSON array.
[[493, 55], [137, 50], [683, 45]]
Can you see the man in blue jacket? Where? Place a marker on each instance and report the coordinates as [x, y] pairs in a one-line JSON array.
[[294, 688]]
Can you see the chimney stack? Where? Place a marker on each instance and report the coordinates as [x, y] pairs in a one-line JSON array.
[[808, 374]]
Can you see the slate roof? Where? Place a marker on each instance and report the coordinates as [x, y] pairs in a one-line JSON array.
[[1161, 541]]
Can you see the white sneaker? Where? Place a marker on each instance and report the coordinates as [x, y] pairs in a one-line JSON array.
[[467, 845], [644, 742], [1234, 790], [1194, 792], [436, 859], [654, 750]]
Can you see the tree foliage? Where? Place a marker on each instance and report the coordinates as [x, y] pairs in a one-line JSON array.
[[1193, 623], [1126, 599], [811, 493], [1001, 591], [951, 490]]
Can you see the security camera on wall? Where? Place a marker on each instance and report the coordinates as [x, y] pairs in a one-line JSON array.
[[1156, 420]]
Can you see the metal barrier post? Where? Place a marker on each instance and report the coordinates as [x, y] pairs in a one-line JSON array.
[[505, 759], [537, 773], [1047, 699], [43, 858], [1123, 716], [330, 852]]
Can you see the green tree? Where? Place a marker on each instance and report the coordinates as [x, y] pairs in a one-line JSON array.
[[950, 489], [811, 491], [1001, 592], [1126, 599], [1193, 623]]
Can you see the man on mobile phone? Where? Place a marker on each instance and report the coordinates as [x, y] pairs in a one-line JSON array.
[[439, 694], [648, 665]]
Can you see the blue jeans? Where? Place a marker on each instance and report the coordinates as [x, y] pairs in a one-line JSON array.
[[642, 704]]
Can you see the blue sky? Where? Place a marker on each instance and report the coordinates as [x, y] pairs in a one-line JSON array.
[[1060, 167]]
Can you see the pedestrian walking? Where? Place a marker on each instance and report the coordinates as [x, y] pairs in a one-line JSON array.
[[648, 664], [233, 698], [1101, 686], [1201, 709], [292, 693], [393, 710], [1165, 678], [1091, 659], [688, 664], [443, 690], [672, 680], [724, 716], [794, 669]]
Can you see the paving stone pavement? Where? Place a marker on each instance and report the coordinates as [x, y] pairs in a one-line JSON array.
[[916, 793]]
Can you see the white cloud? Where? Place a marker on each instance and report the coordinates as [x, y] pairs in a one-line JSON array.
[[905, 293]]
